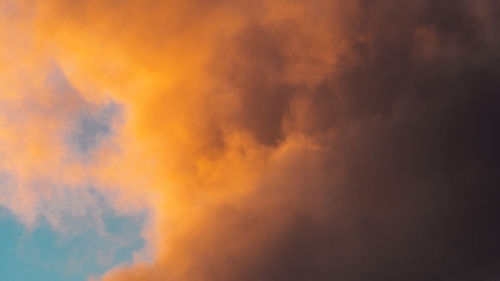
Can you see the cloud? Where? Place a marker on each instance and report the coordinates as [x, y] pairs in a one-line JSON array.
[[282, 140]]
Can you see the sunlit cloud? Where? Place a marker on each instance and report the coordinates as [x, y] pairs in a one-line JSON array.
[[264, 140]]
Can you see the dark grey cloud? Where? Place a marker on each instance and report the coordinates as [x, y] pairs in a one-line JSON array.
[[410, 187]]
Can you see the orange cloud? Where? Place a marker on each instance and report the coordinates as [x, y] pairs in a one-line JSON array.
[[231, 116], [191, 141]]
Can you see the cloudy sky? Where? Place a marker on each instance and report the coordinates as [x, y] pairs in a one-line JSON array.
[[249, 140]]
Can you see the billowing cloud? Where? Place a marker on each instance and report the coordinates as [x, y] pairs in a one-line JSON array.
[[269, 140]]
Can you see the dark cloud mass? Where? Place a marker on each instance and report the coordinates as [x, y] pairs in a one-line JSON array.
[[408, 188]]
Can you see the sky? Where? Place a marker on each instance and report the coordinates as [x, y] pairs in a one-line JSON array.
[[43, 253], [268, 140]]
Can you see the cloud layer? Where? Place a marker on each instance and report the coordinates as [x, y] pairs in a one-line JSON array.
[[270, 140]]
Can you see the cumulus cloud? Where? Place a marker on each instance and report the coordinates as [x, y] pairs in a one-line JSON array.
[[272, 140]]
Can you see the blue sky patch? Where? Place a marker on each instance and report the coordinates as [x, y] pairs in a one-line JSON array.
[[46, 254], [93, 127]]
